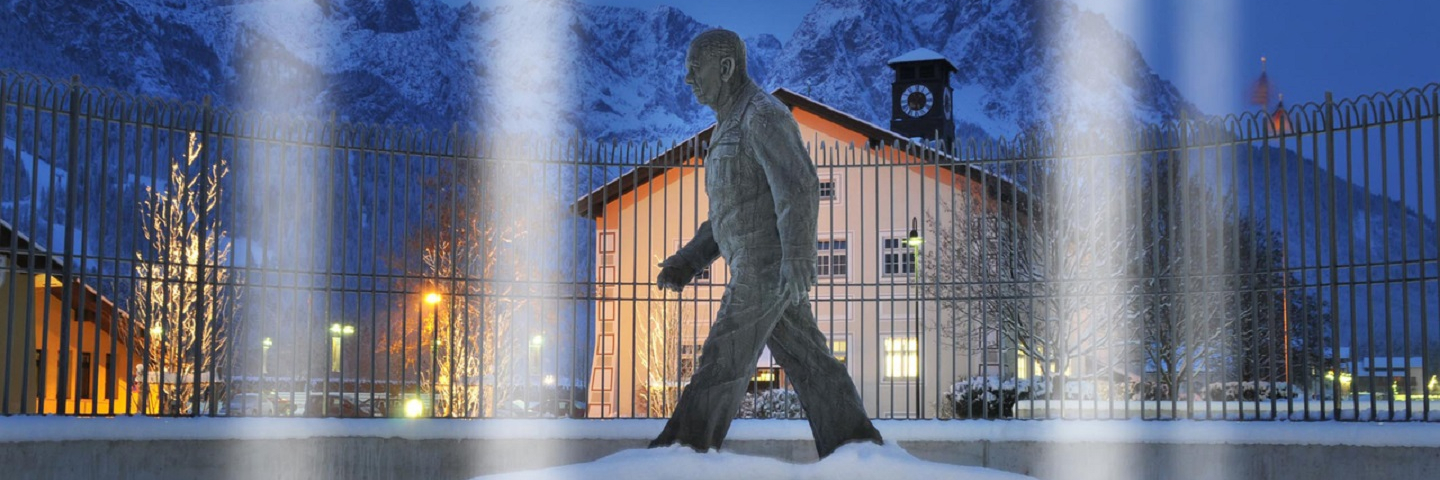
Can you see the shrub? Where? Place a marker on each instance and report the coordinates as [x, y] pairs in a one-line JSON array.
[[774, 403], [990, 397], [1249, 390]]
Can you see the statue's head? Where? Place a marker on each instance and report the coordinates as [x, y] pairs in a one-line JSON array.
[[715, 61]]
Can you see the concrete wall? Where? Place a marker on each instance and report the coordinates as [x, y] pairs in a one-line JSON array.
[[456, 459]]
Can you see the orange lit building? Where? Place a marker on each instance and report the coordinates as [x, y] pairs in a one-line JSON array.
[[33, 308]]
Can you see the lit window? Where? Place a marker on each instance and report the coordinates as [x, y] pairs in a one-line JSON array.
[[839, 348], [832, 258], [902, 355]]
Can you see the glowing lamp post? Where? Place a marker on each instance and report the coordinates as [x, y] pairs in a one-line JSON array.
[[536, 343], [915, 241], [338, 331], [265, 355], [432, 299]]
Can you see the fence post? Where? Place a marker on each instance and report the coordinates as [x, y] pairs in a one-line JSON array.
[[201, 213], [66, 293], [1334, 260], [8, 269]]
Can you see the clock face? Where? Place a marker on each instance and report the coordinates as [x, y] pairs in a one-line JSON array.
[[949, 108], [916, 100]]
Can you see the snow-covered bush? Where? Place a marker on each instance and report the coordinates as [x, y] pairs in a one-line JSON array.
[[775, 403], [1080, 390], [990, 397], [1102, 387], [1151, 390], [1250, 390]]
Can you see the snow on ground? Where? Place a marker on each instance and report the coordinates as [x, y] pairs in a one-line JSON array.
[[862, 461], [855, 461], [22, 428]]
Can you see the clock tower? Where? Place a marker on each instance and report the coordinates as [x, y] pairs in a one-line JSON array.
[[921, 95]]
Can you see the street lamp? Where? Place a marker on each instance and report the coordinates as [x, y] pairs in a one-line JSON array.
[[337, 331], [536, 343], [265, 355], [915, 241], [433, 299]]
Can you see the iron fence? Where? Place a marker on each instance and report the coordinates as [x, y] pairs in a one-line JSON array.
[[170, 258]]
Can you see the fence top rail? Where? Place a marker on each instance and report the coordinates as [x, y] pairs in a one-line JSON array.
[[49, 94], [94, 103]]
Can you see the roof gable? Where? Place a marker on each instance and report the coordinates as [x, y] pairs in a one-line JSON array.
[[593, 204]]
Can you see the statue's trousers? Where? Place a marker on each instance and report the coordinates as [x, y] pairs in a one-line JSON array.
[[751, 317]]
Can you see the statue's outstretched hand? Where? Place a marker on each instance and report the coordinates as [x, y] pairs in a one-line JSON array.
[[796, 278], [675, 273]]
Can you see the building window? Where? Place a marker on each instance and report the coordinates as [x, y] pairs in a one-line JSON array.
[[833, 258], [701, 277], [831, 185], [840, 349], [606, 247], [902, 357], [39, 374], [85, 376], [689, 359], [897, 259], [110, 376]]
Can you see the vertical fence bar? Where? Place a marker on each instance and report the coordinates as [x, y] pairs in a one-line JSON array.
[[201, 358], [11, 256], [1435, 177], [1334, 255], [68, 256]]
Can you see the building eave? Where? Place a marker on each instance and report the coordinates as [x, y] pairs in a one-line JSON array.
[[592, 205]]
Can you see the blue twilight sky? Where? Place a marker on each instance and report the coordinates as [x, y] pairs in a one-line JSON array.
[[1210, 49]]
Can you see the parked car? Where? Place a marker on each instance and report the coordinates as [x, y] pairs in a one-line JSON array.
[[549, 408], [334, 405], [397, 406], [249, 405]]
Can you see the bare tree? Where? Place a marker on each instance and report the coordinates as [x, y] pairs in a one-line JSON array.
[[470, 339], [182, 294], [657, 357], [1219, 302], [1048, 281]]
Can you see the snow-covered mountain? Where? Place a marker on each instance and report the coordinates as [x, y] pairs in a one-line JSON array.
[[1011, 57], [1376, 239], [424, 62], [617, 73]]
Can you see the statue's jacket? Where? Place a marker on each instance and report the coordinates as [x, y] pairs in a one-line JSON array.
[[763, 189]]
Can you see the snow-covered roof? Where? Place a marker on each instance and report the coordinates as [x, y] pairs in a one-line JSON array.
[[593, 203], [918, 55]]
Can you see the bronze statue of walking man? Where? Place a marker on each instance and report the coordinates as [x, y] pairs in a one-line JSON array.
[[764, 203]]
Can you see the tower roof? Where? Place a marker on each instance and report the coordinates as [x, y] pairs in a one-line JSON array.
[[921, 55]]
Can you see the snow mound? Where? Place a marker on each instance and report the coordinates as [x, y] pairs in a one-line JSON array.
[[855, 461]]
